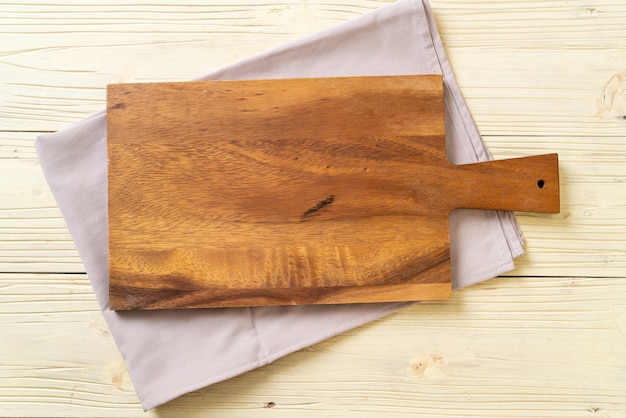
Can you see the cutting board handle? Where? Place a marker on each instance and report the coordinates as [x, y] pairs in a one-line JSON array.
[[527, 184]]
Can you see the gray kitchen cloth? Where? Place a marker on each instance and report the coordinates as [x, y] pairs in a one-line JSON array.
[[172, 352]]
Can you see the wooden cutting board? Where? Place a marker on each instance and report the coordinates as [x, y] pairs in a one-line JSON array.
[[293, 191]]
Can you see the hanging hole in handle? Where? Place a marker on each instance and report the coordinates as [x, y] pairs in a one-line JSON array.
[[541, 183]]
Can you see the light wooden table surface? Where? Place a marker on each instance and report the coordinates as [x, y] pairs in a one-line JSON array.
[[548, 340]]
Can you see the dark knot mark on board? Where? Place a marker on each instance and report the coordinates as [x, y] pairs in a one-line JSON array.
[[314, 211], [119, 106]]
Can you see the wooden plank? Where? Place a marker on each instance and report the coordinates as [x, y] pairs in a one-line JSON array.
[[33, 235], [527, 92], [589, 232], [509, 57], [585, 239], [515, 347], [176, 41], [59, 358]]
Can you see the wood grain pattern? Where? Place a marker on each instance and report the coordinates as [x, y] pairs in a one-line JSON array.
[[276, 192], [493, 344], [549, 344], [585, 238]]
